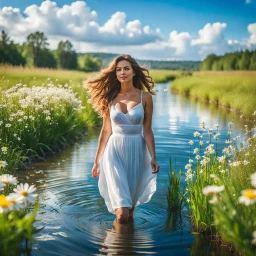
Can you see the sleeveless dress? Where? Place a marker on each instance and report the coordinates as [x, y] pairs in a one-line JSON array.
[[126, 178]]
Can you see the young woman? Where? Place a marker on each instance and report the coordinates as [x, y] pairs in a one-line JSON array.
[[125, 159]]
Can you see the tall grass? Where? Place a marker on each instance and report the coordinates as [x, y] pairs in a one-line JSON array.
[[220, 191], [235, 90]]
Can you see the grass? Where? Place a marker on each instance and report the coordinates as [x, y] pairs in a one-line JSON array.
[[233, 89], [219, 212]]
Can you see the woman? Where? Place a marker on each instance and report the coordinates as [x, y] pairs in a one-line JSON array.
[[127, 175]]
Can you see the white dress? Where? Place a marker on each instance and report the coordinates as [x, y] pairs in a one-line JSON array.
[[126, 178]]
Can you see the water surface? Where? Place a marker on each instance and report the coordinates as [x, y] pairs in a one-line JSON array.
[[74, 216]]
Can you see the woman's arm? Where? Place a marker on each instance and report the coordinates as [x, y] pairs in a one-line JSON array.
[[148, 133], [106, 131]]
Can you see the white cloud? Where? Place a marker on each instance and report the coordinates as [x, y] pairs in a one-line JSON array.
[[179, 41], [75, 21], [78, 23], [252, 31], [210, 34]]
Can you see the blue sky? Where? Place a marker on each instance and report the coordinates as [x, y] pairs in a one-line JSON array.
[[173, 26]]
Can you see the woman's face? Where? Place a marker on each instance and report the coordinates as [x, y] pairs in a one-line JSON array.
[[124, 71]]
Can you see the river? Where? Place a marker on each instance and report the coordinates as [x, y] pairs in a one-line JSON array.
[[74, 216]]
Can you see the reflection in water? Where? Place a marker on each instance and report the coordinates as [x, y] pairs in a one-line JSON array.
[[123, 240]]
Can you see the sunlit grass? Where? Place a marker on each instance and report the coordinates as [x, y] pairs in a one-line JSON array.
[[235, 90], [215, 184]]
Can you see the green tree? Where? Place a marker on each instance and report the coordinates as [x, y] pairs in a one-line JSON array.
[[244, 61], [66, 56], [37, 51], [9, 52], [89, 64], [208, 62], [253, 61]]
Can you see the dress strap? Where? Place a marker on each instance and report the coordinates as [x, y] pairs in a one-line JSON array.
[[141, 96]]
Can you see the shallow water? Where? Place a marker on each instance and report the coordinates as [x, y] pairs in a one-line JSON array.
[[74, 216]]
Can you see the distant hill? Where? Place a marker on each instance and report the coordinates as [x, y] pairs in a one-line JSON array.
[[153, 64]]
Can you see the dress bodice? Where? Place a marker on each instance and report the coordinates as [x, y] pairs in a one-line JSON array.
[[129, 123]]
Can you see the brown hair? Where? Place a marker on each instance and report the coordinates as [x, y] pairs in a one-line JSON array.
[[105, 88]]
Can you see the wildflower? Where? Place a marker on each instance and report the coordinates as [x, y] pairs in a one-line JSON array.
[[8, 125], [2, 185], [216, 125], [248, 197], [26, 192], [228, 141], [196, 150], [200, 143], [2, 164], [4, 149], [214, 200], [5, 205], [196, 134], [216, 136], [48, 118], [187, 166], [210, 131], [222, 171], [201, 171], [235, 163], [246, 162], [203, 125], [215, 177], [189, 171], [212, 190], [189, 176], [190, 161], [221, 159], [230, 124], [198, 157], [16, 201], [8, 179], [253, 179], [191, 142], [254, 235]]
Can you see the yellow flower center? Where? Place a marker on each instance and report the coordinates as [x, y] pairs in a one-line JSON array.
[[1, 163], [3, 202], [24, 193], [249, 193]]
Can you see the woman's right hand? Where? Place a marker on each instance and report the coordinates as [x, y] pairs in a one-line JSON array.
[[95, 168]]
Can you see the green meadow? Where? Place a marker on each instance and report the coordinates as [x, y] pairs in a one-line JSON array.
[[235, 90]]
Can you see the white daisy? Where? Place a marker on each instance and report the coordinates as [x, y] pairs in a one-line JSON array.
[[16, 201], [212, 190], [248, 197], [2, 164], [26, 192], [8, 179]]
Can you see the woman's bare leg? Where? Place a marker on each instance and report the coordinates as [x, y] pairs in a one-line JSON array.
[[122, 215], [131, 213]]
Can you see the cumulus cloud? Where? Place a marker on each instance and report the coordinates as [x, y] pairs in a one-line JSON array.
[[75, 21], [210, 34], [78, 23], [252, 31]]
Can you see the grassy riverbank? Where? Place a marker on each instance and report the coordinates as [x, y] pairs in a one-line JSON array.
[[233, 89], [221, 194]]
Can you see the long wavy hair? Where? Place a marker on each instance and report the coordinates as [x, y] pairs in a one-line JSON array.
[[105, 87]]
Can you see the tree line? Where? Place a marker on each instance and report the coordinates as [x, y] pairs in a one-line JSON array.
[[34, 52], [242, 60]]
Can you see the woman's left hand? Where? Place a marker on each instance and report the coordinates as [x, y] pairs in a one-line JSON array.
[[155, 166]]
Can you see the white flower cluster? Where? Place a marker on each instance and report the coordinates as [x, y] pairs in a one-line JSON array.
[[41, 97], [22, 195]]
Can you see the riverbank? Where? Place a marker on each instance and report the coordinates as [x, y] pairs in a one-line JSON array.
[[235, 90]]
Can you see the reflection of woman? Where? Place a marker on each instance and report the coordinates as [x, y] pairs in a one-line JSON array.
[[123, 159], [119, 240]]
